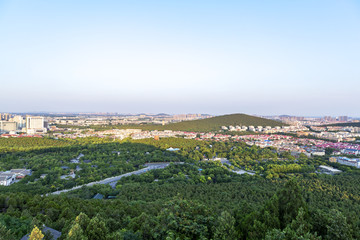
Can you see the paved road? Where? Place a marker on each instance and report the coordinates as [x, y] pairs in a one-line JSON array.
[[240, 171], [113, 180]]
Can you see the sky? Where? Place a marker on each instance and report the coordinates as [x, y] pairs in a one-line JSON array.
[[298, 57]]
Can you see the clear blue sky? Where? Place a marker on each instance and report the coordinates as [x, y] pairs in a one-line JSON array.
[[257, 57]]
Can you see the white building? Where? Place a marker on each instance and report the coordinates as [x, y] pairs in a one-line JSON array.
[[35, 125], [318, 153], [20, 173], [354, 162], [351, 151], [6, 179], [329, 170], [232, 128]]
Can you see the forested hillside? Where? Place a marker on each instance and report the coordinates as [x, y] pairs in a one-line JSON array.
[[215, 123], [203, 198]]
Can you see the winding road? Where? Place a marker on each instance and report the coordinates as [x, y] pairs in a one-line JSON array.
[[113, 180]]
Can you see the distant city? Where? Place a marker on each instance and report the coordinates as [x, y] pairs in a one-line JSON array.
[[30, 124]]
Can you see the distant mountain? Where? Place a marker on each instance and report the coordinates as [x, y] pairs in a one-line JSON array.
[[162, 114], [212, 124]]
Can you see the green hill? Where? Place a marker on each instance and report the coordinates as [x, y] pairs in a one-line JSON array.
[[215, 123]]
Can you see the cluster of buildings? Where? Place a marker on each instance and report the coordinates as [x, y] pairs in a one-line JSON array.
[[156, 134], [115, 119], [354, 162], [9, 177], [329, 119], [13, 124], [163, 134], [340, 136], [310, 121], [81, 133], [120, 133], [266, 129], [310, 147]]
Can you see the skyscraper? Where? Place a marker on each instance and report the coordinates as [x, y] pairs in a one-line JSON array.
[[343, 118]]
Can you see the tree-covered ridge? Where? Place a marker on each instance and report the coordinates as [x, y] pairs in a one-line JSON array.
[[201, 125]]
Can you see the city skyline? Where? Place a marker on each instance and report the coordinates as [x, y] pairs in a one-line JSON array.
[[295, 58]]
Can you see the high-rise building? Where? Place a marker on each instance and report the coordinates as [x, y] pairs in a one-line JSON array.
[[19, 120], [35, 125], [6, 116], [328, 119], [343, 118]]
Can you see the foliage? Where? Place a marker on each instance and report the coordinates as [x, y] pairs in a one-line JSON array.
[[30, 143], [36, 234], [5, 234], [200, 199]]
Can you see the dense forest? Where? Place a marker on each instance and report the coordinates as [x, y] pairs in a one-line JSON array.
[[202, 125], [278, 196]]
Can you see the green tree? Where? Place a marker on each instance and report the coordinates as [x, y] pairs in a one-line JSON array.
[[187, 220], [298, 229], [144, 224], [290, 201], [76, 233], [5, 234], [97, 229], [225, 227], [337, 226], [83, 220]]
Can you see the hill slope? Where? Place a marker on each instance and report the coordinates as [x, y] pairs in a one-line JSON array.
[[215, 123], [211, 124]]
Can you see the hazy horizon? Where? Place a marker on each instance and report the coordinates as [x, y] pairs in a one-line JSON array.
[[297, 58], [167, 113]]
